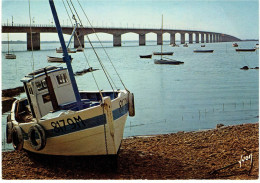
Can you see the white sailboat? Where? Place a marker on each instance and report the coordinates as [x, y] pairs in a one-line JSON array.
[[9, 55], [57, 119], [165, 60]]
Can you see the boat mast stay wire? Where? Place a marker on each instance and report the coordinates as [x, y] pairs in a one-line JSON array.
[[101, 64], [83, 51], [32, 58], [103, 47], [67, 13]]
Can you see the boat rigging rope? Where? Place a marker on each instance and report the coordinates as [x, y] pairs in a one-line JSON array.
[[31, 34], [33, 83], [67, 13], [84, 52], [102, 46], [101, 64]]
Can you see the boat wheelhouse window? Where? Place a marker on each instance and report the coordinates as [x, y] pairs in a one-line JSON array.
[[30, 90], [62, 78], [46, 98], [41, 85]]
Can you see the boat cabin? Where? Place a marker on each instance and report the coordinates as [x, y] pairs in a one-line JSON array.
[[47, 89]]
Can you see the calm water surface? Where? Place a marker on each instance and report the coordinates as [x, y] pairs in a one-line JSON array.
[[209, 88]]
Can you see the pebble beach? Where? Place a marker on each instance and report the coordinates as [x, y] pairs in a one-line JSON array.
[[182, 155]]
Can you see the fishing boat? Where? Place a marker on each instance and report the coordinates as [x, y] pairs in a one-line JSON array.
[[9, 55], [203, 45], [235, 45], [185, 45], [145, 56], [165, 60], [57, 119], [245, 49], [55, 59], [203, 51]]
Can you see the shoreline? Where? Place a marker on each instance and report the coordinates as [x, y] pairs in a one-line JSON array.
[[181, 155]]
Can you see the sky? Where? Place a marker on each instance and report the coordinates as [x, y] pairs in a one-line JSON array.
[[239, 18]]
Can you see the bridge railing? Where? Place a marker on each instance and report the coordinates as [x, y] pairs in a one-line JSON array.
[[102, 26]]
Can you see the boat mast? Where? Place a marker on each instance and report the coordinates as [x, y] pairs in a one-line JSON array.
[[162, 38], [8, 42], [66, 56]]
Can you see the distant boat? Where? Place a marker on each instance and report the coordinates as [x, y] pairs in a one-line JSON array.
[[9, 55], [203, 51], [59, 50], [245, 49], [145, 56], [56, 59], [185, 45], [203, 45], [257, 46], [174, 45], [163, 53], [80, 49], [168, 61], [235, 45]]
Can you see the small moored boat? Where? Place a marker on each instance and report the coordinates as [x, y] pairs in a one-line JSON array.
[[9, 55], [56, 59], [168, 61], [203, 51], [163, 53], [59, 50], [245, 49], [145, 56], [235, 45], [80, 49]]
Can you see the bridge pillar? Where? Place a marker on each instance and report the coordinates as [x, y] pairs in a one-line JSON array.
[[207, 38], [159, 39], [210, 38], [197, 38], [116, 39], [217, 38], [214, 38], [182, 38], [172, 39], [33, 41], [191, 38], [76, 41], [202, 37], [220, 38], [141, 39]]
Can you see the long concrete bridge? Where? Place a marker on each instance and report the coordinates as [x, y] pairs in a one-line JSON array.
[[200, 36]]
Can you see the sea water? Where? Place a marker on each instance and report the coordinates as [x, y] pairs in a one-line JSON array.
[[208, 89]]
